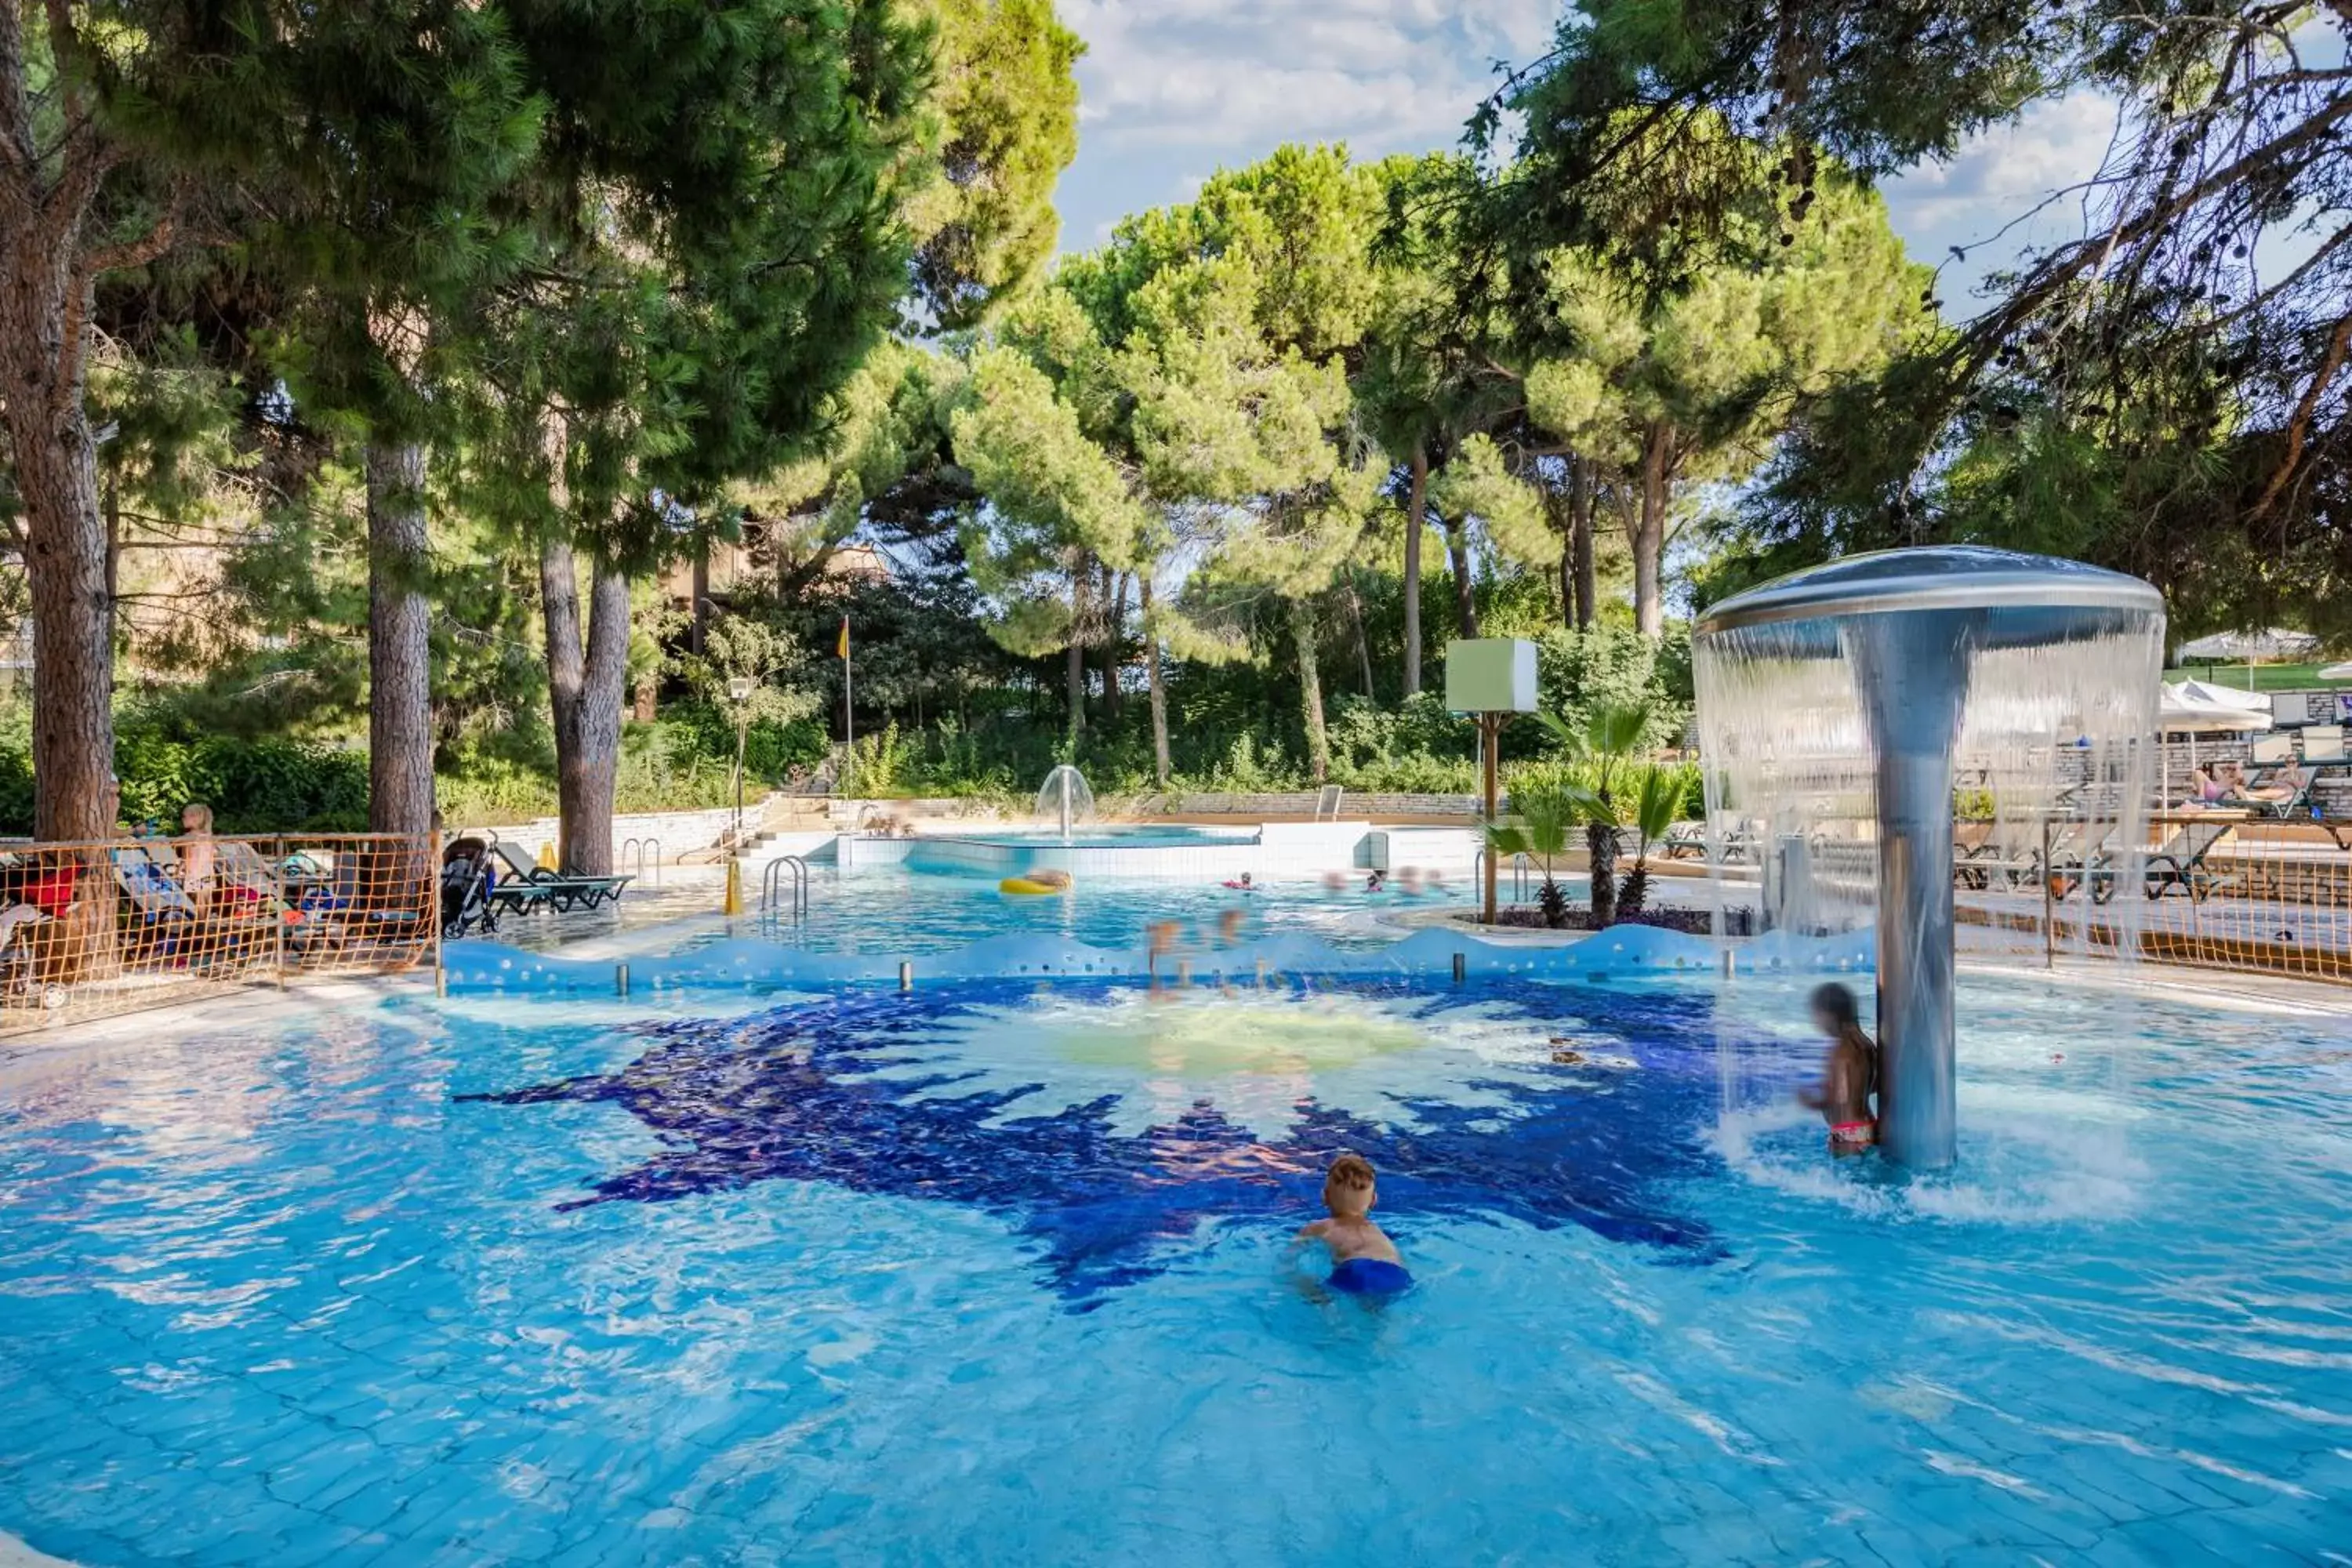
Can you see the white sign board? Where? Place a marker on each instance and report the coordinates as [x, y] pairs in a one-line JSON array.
[[1490, 674]]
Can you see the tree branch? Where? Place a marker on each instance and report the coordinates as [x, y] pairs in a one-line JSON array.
[[17, 145], [2056, 273], [2299, 426]]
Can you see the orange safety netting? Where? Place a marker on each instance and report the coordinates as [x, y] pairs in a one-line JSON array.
[[92, 929], [2220, 889]]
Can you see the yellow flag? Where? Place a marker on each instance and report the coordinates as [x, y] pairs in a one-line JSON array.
[[842, 651]]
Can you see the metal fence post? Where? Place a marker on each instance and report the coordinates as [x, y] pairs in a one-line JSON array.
[[285, 913], [2049, 931], [432, 859]]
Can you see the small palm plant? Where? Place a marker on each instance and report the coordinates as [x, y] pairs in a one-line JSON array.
[[1657, 806], [1606, 743], [1545, 814]]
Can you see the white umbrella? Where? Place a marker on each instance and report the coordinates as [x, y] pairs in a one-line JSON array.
[[2337, 672], [2230, 647], [2193, 708]]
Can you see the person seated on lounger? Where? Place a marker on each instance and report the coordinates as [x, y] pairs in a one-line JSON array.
[[199, 856], [1364, 1261], [2283, 786], [30, 893], [2206, 788], [1849, 1074]]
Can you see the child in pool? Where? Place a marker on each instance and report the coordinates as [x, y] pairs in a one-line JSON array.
[[1849, 1074], [1364, 1261]]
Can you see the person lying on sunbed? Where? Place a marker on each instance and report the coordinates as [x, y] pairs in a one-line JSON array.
[[2285, 786]]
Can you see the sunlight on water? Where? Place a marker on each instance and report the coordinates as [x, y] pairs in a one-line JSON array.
[[1259, 1056]]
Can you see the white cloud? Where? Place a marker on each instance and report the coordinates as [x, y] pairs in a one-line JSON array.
[[1248, 73], [1983, 198], [1170, 88]]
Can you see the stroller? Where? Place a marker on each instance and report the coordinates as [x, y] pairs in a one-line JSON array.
[[467, 880]]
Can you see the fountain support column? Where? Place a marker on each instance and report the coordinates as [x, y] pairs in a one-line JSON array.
[[1913, 672]]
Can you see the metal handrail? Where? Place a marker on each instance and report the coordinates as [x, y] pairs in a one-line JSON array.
[[771, 892], [647, 849], [1519, 875]]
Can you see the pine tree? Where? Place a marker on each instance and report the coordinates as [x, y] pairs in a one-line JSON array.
[[124, 134]]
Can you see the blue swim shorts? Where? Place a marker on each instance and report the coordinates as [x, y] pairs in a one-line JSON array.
[[1370, 1277]]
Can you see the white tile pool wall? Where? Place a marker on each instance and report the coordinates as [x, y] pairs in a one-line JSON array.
[[1275, 850]]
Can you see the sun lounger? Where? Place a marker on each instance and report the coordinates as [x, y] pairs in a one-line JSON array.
[[2180, 864], [1688, 841], [165, 921], [563, 892]]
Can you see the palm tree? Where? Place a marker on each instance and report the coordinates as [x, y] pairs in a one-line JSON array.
[[1609, 739], [1657, 805], [1546, 813]]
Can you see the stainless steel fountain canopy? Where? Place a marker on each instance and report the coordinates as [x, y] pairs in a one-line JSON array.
[[1910, 624], [1938, 577]]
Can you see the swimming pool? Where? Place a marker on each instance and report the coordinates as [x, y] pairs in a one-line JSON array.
[[1103, 836], [889, 910], [995, 1273]]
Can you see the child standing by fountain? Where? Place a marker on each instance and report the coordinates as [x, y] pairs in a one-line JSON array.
[[1849, 1075]]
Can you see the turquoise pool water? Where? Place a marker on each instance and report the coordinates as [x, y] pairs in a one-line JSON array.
[[996, 1274], [893, 910], [1102, 835]]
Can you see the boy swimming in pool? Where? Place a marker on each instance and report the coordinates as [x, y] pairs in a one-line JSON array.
[[1364, 1261]]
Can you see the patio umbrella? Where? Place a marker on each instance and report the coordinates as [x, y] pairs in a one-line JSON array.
[[2228, 647], [2192, 708], [2233, 647]]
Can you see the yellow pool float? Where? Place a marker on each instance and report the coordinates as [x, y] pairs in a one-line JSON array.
[[1035, 883]]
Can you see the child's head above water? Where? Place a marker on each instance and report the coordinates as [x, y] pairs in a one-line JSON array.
[[1348, 1189], [1834, 1012]]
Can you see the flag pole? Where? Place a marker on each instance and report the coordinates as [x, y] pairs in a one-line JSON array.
[[848, 702]]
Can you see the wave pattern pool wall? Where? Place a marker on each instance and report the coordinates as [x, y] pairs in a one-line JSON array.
[[492, 968], [1833, 706]]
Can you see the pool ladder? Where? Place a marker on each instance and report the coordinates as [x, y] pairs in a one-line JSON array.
[[776, 898], [640, 852], [1518, 876]]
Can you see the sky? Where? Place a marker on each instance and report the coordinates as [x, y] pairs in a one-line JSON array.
[[1172, 90]]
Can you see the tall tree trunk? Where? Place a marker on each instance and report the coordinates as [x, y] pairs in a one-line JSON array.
[[1159, 684], [1310, 690], [1416, 516], [1075, 674], [1113, 624], [698, 625], [113, 508], [42, 360], [1363, 643], [1579, 541], [1465, 594], [1650, 531], [586, 682], [400, 651]]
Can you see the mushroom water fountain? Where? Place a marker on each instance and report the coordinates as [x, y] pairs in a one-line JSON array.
[[1841, 708], [1065, 798]]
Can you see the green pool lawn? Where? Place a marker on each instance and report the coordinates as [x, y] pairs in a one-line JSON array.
[[2267, 677]]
